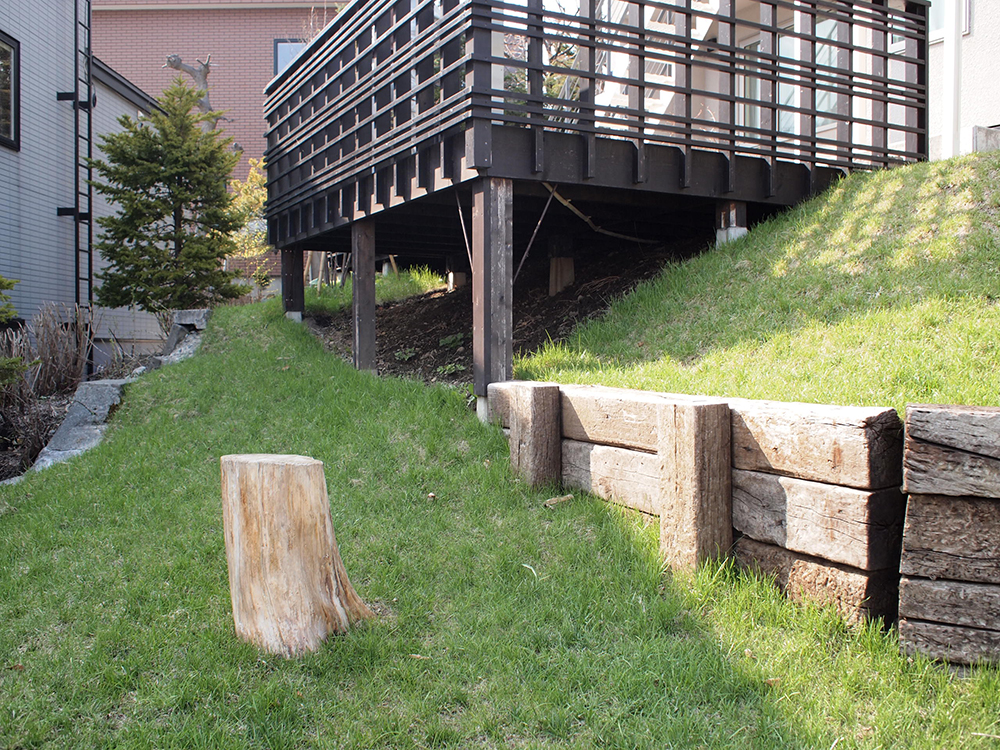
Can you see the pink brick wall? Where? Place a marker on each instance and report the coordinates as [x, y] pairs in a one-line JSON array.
[[241, 41]]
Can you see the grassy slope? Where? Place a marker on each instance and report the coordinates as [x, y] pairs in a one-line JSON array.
[[115, 627], [408, 283], [882, 291]]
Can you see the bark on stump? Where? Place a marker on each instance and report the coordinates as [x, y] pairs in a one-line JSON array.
[[288, 585]]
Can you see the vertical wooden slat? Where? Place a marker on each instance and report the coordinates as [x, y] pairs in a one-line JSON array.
[[805, 29], [683, 82], [535, 46], [637, 87], [479, 82], [423, 69], [845, 42], [363, 263], [916, 78], [768, 86], [879, 70], [536, 81], [727, 87], [492, 273], [587, 63]]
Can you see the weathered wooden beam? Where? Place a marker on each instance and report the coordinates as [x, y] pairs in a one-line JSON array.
[[619, 475], [535, 439], [292, 290], [617, 416], [855, 594], [857, 447], [492, 279], [938, 470], [949, 642], [952, 450], [860, 528], [952, 537], [363, 261], [974, 605], [975, 429], [499, 398], [852, 446], [696, 504]]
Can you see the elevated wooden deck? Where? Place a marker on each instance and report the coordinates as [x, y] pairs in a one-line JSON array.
[[640, 111]]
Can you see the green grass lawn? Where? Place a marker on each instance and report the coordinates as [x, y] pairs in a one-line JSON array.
[[882, 291], [407, 283], [511, 626]]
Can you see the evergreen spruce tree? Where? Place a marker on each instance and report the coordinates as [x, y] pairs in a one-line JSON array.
[[168, 176]]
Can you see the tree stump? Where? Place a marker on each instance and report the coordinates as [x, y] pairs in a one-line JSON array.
[[288, 585]]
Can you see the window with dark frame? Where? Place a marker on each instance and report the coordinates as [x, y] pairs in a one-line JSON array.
[[284, 52], [10, 74]]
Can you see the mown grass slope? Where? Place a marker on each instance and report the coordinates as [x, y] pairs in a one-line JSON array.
[[511, 625], [882, 291]]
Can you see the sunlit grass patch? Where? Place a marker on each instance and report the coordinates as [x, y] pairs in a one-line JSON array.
[[396, 286], [882, 290]]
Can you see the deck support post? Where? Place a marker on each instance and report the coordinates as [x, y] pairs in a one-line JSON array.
[[292, 289], [730, 221], [363, 262], [561, 265], [492, 284]]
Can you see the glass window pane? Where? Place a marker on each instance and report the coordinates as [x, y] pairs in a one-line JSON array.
[[7, 78], [284, 53]]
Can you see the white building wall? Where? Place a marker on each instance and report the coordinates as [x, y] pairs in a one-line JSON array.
[[36, 246], [980, 88]]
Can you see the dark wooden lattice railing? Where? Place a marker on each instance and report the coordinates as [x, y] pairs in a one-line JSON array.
[[395, 95]]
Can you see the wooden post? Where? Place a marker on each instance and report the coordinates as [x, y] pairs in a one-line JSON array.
[[536, 433], [287, 583], [730, 221], [696, 515], [492, 274], [292, 289], [561, 266], [363, 252]]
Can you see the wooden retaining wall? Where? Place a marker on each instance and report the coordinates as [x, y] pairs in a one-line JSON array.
[[950, 591], [661, 454], [812, 491], [816, 501]]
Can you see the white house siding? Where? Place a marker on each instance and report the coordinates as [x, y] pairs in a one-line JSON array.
[[37, 246], [980, 92]]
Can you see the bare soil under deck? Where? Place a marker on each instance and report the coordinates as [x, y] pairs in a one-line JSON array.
[[429, 337]]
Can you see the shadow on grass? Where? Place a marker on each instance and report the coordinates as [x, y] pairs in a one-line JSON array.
[[512, 625]]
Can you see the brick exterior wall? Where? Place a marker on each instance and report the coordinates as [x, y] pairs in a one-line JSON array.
[[240, 38]]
